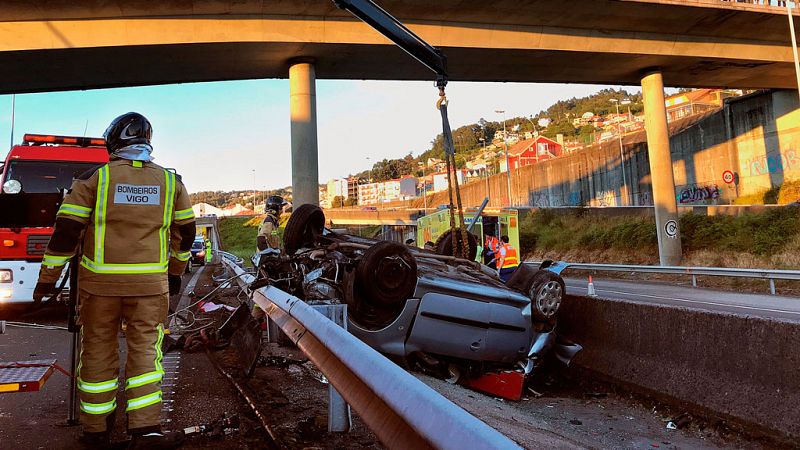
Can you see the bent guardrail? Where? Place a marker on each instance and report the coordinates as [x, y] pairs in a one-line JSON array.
[[765, 274], [401, 410], [230, 257]]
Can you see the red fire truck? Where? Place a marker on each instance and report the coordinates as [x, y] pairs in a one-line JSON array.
[[33, 180]]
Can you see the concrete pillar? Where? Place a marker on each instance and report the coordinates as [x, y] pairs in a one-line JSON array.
[[666, 208], [303, 112]]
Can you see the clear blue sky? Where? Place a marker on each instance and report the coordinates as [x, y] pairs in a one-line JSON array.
[[214, 134]]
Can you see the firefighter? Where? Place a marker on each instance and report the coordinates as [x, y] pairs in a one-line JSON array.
[[268, 232], [137, 229], [507, 259], [268, 236]]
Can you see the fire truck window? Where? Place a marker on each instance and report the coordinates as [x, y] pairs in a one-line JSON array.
[[46, 176]]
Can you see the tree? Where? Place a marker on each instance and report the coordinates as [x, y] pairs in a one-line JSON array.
[[350, 202], [337, 201]]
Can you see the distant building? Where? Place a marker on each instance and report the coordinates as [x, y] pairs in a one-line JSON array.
[[696, 101], [440, 179], [532, 151], [387, 191]]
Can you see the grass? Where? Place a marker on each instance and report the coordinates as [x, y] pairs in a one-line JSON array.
[[769, 239], [238, 235]]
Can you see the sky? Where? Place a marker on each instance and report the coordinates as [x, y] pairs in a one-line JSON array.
[[216, 134]]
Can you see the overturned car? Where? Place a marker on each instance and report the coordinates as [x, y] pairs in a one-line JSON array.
[[445, 313]]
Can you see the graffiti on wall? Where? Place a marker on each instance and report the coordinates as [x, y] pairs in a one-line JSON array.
[[774, 163], [606, 198], [699, 193]]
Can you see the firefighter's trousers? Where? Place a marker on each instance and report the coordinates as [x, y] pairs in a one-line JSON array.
[[98, 372]]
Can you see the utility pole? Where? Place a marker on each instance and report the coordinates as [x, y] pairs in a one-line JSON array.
[[505, 146], [794, 45], [621, 154], [13, 104], [254, 191]]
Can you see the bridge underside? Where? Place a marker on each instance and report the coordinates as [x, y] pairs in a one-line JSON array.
[[102, 67]]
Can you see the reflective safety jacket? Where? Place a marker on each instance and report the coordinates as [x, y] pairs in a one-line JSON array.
[[492, 244], [137, 224], [509, 256], [268, 233]]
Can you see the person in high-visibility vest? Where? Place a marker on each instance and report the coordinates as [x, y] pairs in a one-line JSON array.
[[208, 251], [136, 226], [507, 260], [490, 253]]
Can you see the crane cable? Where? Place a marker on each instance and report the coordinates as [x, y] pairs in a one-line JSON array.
[[452, 180]]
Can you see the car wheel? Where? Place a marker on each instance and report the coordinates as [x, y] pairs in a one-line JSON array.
[[546, 293], [387, 274], [444, 245], [303, 227]]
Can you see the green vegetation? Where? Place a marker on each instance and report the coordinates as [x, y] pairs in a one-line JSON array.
[[222, 199], [238, 236], [788, 192], [772, 235]]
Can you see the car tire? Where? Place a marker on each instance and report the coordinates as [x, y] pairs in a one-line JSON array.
[[303, 227], [387, 274], [444, 245], [546, 293]]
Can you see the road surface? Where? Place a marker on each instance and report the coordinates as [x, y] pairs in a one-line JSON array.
[[754, 305]]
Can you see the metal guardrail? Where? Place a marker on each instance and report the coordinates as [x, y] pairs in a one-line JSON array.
[[230, 257], [694, 272], [401, 410]]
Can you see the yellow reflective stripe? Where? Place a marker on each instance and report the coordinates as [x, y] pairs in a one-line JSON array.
[[183, 256], [159, 341], [184, 214], [137, 163], [143, 401], [169, 194], [145, 378], [53, 260], [75, 210], [100, 214], [98, 408], [99, 387], [124, 268]]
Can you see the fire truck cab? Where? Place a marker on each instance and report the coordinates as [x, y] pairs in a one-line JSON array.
[[33, 179]]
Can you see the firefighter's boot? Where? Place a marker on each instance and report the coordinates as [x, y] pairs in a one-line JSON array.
[[157, 440]]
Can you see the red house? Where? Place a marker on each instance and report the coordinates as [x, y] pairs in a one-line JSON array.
[[531, 151]]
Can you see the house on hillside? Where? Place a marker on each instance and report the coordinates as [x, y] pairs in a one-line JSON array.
[[532, 151], [697, 101]]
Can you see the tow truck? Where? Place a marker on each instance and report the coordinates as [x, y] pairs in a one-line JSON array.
[[33, 179]]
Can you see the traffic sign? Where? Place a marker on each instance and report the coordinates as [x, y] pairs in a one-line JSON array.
[[727, 177]]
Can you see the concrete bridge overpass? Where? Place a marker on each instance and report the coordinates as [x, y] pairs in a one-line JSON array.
[[85, 44], [80, 44]]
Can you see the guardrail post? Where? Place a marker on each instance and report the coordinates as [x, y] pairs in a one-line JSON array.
[[339, 418], [772, 286], [694, 280]]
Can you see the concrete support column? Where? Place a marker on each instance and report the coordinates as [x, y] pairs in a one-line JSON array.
[[666, 208], [303, 112]]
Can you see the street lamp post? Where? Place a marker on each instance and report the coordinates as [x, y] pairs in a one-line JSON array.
[[485, 165], [505, 146], [621, 153], [794, 45], [254, 190]]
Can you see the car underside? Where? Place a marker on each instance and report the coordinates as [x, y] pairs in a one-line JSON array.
[[416, 305]]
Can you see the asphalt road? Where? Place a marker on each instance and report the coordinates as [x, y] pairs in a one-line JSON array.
[[753, 305]]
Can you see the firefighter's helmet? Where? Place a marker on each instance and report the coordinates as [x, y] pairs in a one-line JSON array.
[[128, 129], [276, 203]]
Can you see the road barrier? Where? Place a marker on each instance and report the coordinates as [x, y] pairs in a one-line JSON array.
[[237, 260], [401, 410], [694, 272], [723, 365]]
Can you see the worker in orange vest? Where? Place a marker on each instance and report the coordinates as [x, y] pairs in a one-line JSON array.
[[507, 260], [490, 251]]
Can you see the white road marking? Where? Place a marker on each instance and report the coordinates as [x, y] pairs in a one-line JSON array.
[[690, 301]]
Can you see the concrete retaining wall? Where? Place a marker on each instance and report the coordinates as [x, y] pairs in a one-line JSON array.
[[757, 137], [742, 367]]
